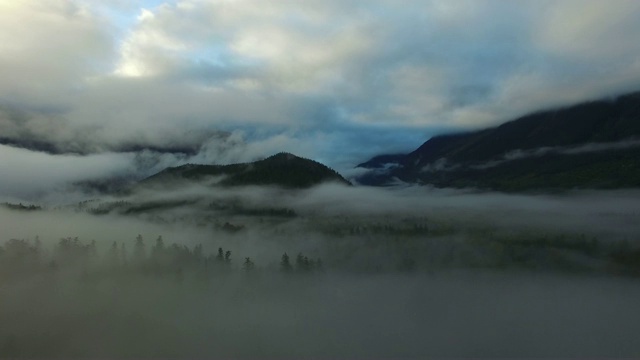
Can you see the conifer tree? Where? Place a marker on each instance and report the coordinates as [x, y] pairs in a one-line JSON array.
[[306, 265], [138, 250], [113, 254], [92, 250], [123, 253], [158, 248], [285, 265], [248, 264], [300, 262], [198, 252]]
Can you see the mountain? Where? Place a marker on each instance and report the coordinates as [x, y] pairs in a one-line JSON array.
[[590, 145], [283, 169]]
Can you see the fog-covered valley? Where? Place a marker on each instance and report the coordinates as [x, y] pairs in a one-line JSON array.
[[319, 179], [397, 272]]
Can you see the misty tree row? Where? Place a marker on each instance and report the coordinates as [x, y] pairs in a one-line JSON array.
[[478, 249], [25, 256]]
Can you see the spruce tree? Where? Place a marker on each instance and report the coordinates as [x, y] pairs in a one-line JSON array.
[[248, 264], [285, 265], [138, 250], [158, 248]]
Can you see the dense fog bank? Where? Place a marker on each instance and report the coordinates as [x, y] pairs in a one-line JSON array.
[[448, 314], [327, 272]]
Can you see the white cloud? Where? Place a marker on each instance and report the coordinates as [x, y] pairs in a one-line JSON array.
[[49, 46], [117, 72], [33, 172], [591, 30], [149, 49]]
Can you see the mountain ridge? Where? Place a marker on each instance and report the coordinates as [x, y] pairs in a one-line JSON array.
[[462, 159]]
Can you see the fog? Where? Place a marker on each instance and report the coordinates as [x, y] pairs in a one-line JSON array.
[[399, 272], [542, 151], [347, 316]]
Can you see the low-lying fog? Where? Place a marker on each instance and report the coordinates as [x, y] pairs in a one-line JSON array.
[[409, 272]]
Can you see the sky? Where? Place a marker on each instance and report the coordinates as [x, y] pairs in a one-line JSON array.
[[97, 88]]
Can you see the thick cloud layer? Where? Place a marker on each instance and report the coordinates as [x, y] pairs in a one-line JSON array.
[[337, 81]]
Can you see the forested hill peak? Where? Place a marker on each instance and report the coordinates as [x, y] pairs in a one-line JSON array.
[[283, 169]]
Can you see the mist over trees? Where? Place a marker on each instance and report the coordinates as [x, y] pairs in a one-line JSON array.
[[356, 272]]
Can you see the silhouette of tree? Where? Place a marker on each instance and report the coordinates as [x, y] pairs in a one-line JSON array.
[[227, 257], [179, 255], [138, 250], [198, 253], [300, 262], [37, 246], [220, 256], [71, 251], [248, 264], [123, 253], [285, 265], [113, 254], [158, 248], [306, 266], [17, 249], [92, 250]]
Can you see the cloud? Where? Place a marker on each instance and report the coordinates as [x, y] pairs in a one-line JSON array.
[[49, 47], [29, 173], [587, 34], [341, 80]]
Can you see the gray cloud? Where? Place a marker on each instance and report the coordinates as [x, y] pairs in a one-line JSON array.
[[88, 78]]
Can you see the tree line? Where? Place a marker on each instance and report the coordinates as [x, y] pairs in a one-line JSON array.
[[20, 256]]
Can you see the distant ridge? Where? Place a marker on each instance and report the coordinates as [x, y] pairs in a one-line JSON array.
[[283, 169], [590, 145]]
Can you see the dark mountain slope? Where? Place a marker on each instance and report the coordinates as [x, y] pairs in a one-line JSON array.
[[381, 160], [593, 122], [284, 170], [541, 150]]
